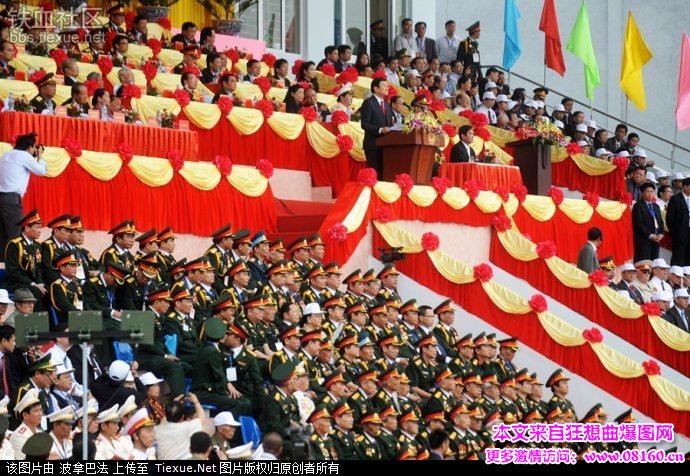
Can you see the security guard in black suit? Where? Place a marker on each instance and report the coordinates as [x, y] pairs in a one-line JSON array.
[[65, 292], [23, 259], [123, 240]]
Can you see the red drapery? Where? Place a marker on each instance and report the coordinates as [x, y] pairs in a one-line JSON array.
[[582, 360], [568, 174], [587, 302], [178, 204], [99, 136], [490, 175], [337, 250], [570, 236]]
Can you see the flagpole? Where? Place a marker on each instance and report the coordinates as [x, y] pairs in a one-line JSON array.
[[544, 75], [591, 108], [673, 150], [627, 101]]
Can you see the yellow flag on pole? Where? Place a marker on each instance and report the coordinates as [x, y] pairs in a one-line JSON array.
[[635, 56]]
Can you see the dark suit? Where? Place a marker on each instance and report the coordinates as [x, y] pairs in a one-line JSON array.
[[428, 50], [587, 259], [646, 222], [459, 153], [677, 219], [208, 77], [634, 293], [69, 81], [179, 38], [373, 119], [612, 144], [673, 316]]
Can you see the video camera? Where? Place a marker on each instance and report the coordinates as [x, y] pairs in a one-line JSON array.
[[296, 444]]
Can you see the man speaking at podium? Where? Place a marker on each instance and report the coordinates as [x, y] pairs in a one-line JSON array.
[[377, 119]]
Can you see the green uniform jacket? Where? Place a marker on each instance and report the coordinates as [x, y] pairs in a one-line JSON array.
[[322, 449], [22, 263], [249, 381], [48, 252], [389, 445], [98, 297], [209, 371], [446, 339], [422, 374], [184, 328], [111, 255], [131, 296], [368, 450], [165, 262], [65, 297], [344, 444], [221, 263], [279, 410]]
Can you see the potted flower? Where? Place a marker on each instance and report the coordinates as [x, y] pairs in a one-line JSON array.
[[227, 14], [153, 10]]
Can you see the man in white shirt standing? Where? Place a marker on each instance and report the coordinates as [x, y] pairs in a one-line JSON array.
[[405, 40], [447, 46], [15, 168]]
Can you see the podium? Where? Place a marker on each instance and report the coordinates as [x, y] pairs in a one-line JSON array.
[[534, 161], [411, 154]]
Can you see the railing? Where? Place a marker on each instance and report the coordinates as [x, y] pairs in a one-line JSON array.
[[672, 144]]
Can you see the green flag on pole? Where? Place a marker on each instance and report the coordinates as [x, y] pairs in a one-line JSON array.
[[580, 44]]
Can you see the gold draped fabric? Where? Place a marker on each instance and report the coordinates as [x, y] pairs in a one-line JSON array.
[[423, 196], [568, 274], [620, 305], [24, 63], [202, 175], [148, 106], [18, 89], [101, 165], [456, 198], [326, 83], [170, 82], [56, 158], [87, 68], [202, 115], [62, 94], [152, 171], [511, 206], [287, 126], [246, 91], [249, 180], [517, 245], [670, 334], [321, 140], [397, 237], [593, 166], [246, 121], [578, 211], [541, 208], [672, 395], [451, 269], [488, 202], [242, 66], [355, 217], [505, 299], [560, 331], [137, 52], [611, 210], [389, 192], [617, 363], [139, 78]]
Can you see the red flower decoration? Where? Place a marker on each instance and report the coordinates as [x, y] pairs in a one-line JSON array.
[[349, 75], [546, 249], [556, 195], [109, 38], [224, 104], [58, 55], [176, 160], [269, 59], [150, 70], [573, 148], [223, 163], [305, 85], [105, 64], [437, 105], [328, 69], [520, 192], [309, 114], [91, 86], [391, 92], [339, 117], [182, 97], [266, 107], [233, 54], [483, 133], [367, 177], [190, 68], [296, 66], [503, 193], [249, 104], [264, 84], [621, 162], [129, 20], [380, 74], [598, 278], [405, 183], [164, 23], [538, 303], [72, 146], [131, 91], [593, 335], [441, 184], [126, 152], [626, 198], [345, 142], [651, 368], [430, 241], [383, 213], [337, 232], [477, 119], [592, 198], [651, 309], [155, 45], [169, 94], [501, 223], [424, 93], [449, 129], [483, 272], [472, 189], [265, 167]]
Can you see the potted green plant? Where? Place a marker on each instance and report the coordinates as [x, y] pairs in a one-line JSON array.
[[227, 13], [153, 10]]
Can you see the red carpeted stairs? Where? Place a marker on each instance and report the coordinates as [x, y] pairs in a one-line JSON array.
[[297, 218]]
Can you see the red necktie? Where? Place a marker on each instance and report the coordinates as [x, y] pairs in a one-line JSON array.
[[383, 108]]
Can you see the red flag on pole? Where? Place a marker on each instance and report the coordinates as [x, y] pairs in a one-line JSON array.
[[553, 52], [683, 105]]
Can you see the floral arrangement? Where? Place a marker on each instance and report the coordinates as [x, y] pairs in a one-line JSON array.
[[224, 164], [167, 119], [224, 104], [472, 188], [520, 192], [538, 303], [556, 195], [622, 163], [72, 146], [503, 193], [626, 198], [598, 278], [651, 309], [367, 177], [541, 133], [501, 223], [182, 97], [309, 114], [191, 68], [266, 107], [339, 117], [424, 121], [131, 91], [296, 66], [338, 232], [593, 335], [441, 184], [573, 148], [430, 241], [483, 272], [131, 116], [22, 104], [126, 152], [546, 249], [404, 181], [269, 59], [591, 198], [58, 55], [380, 74], [349, 75], [176, 160], [265, 167], [383, 213], [165, 23], [345, 142], [449, 129], [392, 92], [264, 84], [73, 110], [105, 64], [150, 70], [155, 45], [651, 368]]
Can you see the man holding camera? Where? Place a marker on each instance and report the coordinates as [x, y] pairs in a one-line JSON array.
[[15, 168]]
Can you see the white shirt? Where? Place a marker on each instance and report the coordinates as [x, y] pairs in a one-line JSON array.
[[447, 49], [393, 77], [173, 439], [489, 113], [15, 168], [403, 42], [19, 437], [64, 449]]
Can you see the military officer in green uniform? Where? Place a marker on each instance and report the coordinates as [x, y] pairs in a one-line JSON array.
[[445, 333], [164, 257], [378, 327], [491, 394], [468, 50], [506, 404], [388, 439], [148, 243], [333, 280], [473, 388], [358, 317], [54, 246], [349, 353], [205, 294], [335, 317], [361, 401], [157, 357], [317, 284], [558, 383], [390, 349], [276, 277], [389, 284], [65, 292], [534, 399], [503, 364], [355, 286], [220, 254], [408, 328], [88, 266], [462, 364], [423, 369], [311, 343], [524, 389], [40, 377], [123, 241], [317, 250], [387, 395], [253, 315], [433, 421], [299, 252], [342, 435], [367, 446], [336, 392], [372, 286], [210, 381], [321, 446], [280, 413], [290, 338], [47, 88], [258, 264], [225, 308], [23, 259], [460, 444], [442, 400], [131, 296], [249, 381], [180, 324], [484, 350], [477, 416]]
